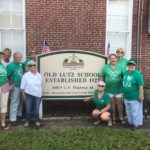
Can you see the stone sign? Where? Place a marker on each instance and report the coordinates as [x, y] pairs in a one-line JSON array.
[[69, 74]]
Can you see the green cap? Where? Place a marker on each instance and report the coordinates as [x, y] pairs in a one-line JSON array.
[[131, 62]]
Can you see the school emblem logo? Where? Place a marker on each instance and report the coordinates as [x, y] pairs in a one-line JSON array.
[[73, 62]]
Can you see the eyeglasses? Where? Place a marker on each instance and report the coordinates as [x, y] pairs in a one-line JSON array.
[[101, 86], [120, 52], [32, 65]]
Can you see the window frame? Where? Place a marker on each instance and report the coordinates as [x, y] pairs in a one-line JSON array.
[[14, 28], [128, 32]]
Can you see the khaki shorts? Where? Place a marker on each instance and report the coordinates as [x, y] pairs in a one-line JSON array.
[[3, 101], [116, 95]]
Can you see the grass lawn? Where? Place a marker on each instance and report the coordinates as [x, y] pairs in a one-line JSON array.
[[76, 138]]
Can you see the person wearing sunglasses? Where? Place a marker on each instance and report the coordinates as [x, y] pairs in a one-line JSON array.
[[112, 74], [102, 102], [120, 58], [31, 87], [133, 95]]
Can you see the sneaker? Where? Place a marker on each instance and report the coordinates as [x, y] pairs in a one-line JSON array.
[[128, 125], [14, 123], [134, 128], [38, 124], [5, 127], [97, 122], [26, 124]]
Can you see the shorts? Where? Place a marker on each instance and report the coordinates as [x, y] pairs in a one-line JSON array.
[[120, 95], [3, 101]]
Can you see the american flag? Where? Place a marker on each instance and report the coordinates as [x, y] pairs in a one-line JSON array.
[[108, 49], [8, 86], [46, 48]]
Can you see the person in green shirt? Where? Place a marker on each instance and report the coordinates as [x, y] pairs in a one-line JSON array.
[[4, 94], [32, 57], [112, 74], [133, 95], [102, 103], [15, 72], [120, 58]]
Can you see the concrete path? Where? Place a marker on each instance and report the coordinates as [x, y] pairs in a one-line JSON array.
[[68, 122]]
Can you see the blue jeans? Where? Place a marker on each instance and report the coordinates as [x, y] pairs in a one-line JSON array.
[[32, 105], [134, 111], [15, 104]]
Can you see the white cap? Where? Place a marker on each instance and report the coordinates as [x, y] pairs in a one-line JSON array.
[[101, 83]]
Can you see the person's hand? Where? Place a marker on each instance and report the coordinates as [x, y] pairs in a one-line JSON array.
[[87, 99], [141, 98], [24, 97]]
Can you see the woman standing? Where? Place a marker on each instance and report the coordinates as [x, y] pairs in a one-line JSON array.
[[102, 102], [133, 95], [112, 74], [32, 92], [3, 94], [120, 58]]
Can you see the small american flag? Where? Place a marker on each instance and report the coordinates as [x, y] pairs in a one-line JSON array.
[[108, 49], [8, 86], [46, 48]]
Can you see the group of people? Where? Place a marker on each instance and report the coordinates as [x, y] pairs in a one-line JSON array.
[[20, 83], [120, 83]]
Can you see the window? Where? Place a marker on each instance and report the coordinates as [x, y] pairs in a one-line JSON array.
[[12, 27], [119, 25]]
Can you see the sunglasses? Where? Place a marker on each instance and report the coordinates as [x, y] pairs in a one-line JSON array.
[[101, 86], [131, 65], [120, 52], [32, 65]]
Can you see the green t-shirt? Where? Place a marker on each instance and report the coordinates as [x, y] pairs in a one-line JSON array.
[[26, 64], [15, 72], [102, 102], [3, 74], [131, 83], [112, 78], [123, 63]]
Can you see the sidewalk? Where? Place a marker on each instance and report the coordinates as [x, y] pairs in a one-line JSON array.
[[68, 122]]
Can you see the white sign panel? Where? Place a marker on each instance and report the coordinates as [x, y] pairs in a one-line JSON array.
[[69, 74]]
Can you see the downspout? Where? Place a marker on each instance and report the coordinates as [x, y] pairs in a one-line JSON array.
[[149, 17], [138, 33], [141, 35]]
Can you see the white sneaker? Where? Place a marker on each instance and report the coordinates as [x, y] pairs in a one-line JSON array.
[[97, 122], [38, 124], [26, 124]]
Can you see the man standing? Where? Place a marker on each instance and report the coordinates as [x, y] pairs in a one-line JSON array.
[[7, 55], [15, 72]]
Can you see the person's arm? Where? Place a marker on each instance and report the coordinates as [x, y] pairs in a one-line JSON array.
[[107, 102], [140, 83], [105, 109], [23, 94], [22, 87], [141, 97], [87, 99], [9, 71]]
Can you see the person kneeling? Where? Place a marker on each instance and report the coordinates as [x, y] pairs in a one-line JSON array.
[[101, 100]]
